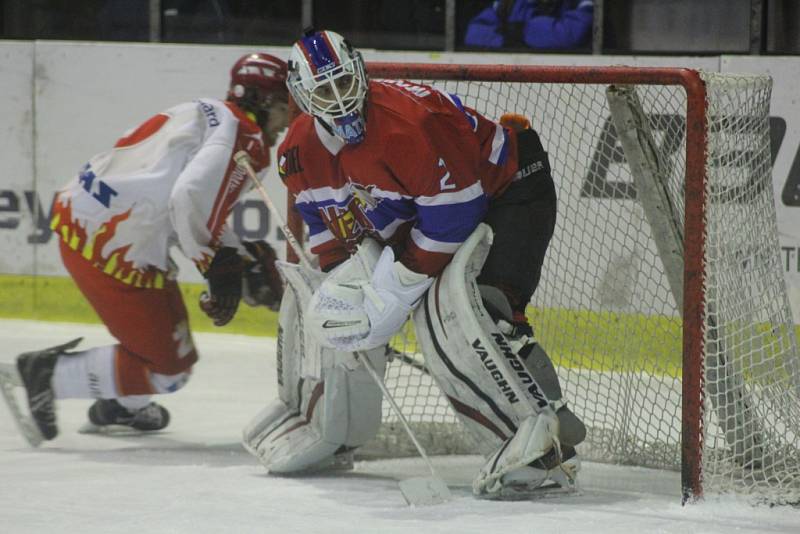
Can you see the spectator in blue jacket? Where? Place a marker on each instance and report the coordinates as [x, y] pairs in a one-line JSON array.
[[540, 24]]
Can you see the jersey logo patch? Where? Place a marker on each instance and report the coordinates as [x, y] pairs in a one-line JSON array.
[[289, 162], [101, 191], [350, 222], [363, 193]]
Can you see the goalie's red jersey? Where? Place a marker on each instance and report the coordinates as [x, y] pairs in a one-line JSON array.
[[421, 180]]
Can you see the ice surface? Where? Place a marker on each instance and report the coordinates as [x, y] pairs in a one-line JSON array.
[[196, 478]]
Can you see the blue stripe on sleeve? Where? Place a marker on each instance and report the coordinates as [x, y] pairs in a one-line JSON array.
[[473, 122], [390, 210], [310, 214], [308, 210], [452, 223]]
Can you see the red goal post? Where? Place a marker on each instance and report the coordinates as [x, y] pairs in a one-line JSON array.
[[677, 130]]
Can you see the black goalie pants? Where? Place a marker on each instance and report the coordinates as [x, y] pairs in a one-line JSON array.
[[523, 219]]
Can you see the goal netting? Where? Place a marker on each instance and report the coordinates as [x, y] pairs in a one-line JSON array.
[[662, 301]]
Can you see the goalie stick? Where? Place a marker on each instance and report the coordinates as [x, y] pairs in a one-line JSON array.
[[408, 360], [415, 490], [9, 380]]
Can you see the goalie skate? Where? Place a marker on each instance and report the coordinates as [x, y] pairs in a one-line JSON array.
[[541, 482], [9, 380]]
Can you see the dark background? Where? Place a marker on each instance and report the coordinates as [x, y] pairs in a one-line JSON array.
[[628, 26]]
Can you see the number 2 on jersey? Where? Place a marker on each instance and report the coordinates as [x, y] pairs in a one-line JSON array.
[[443, 181]]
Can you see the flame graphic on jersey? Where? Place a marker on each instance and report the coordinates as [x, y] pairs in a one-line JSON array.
[[74, 235]]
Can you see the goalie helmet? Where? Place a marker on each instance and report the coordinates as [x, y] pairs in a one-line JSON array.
[[328, 81], [258, 83]]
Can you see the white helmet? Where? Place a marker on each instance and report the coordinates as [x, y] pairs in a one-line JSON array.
[[328, 81]]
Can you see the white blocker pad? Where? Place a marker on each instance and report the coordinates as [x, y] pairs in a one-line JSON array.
[[327, 402], [488, 386]]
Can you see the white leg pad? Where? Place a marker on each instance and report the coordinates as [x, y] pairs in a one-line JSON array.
[[488, 385], [492, 391], [285, 442], [328, 403], [339, 414]]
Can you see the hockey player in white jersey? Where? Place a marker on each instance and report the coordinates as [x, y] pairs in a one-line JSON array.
[[171, 181]]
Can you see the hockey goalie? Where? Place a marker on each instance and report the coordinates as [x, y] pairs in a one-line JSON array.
[[415, 204]]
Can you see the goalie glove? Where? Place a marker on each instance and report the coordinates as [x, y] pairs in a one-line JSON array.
[[392, 294], [350, 315], [336, 314], [224, 277], [262, 285]]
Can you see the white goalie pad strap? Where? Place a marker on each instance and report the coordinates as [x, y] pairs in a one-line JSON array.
[[327, 400], [535, 438], [488, 386]]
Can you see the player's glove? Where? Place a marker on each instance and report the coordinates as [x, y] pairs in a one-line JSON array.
[[360, 315], [335, 315], [262, 285], [224, 277], [392, 294]]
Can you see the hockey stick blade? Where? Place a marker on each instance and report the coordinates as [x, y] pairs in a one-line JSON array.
[[425, 491], [9, 379], [420, 491]]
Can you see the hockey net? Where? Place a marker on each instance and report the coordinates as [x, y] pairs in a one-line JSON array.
[[662, 302]]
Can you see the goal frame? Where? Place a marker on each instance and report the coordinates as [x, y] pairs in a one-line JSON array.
[[695, 198]]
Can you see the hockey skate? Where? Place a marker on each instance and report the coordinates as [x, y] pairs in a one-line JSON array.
[[34, 372], [550, 476], [109, 416], [530, 465]]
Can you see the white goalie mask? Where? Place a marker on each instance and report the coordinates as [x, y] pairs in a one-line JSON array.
[[328, 81]]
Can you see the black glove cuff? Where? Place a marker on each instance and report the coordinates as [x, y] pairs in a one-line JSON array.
[[224, 274]]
